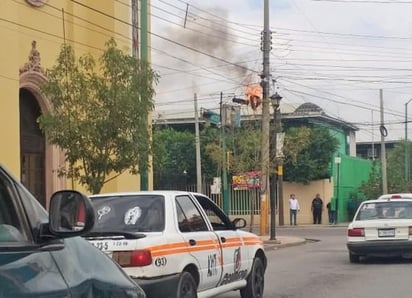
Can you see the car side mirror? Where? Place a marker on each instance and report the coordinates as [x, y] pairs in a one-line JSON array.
[[239, 223], [70, 214]]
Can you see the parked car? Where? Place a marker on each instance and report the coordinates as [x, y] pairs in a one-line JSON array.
[[178, 244], [381, 227], [40, 255]]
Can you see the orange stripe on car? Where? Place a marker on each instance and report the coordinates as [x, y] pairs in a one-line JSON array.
[[201, 245]]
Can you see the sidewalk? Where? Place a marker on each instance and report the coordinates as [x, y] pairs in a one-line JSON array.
[[287, 241]]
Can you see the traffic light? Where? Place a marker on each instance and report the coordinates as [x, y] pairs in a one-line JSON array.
[[240, 100]]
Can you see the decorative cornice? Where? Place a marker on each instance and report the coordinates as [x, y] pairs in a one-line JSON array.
[[34, 61]]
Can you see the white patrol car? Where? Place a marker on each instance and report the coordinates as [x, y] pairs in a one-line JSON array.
[[178, 244]]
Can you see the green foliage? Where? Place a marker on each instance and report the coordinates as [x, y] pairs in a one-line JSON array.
[[246, 149], [242, 143], [372, 188], [210, 152], [395, 173], [396, 169], [308, 153], [99, 113], [174, 154]]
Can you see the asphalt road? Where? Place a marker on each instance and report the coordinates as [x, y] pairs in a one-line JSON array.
[[321, 268]]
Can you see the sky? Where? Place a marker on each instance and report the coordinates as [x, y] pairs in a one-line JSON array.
[[337, 54]]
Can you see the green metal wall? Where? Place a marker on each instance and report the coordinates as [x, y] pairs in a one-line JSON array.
[[348, 176]]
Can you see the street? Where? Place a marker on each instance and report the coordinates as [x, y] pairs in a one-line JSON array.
[[320, 268]]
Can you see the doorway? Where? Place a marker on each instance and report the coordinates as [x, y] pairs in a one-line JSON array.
[[32, 146]]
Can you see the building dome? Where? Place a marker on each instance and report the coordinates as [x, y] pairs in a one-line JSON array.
[[309, 108]]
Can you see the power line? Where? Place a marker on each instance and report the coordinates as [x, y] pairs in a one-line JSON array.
[[165, 38], [215, 16], [345, 34], [108, 30], [365, 1], [194, 30]]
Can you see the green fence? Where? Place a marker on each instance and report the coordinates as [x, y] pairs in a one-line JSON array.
[[241, 202], [348, 176]]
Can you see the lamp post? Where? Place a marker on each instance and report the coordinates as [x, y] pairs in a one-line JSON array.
[[406, 142], [275, 100]]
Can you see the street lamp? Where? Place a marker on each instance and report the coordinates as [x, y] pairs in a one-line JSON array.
[[406, 142], [275, 100]]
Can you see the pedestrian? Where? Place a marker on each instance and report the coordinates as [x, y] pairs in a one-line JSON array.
[[317, 207], [293, 209], [331, 211], [352, 206]]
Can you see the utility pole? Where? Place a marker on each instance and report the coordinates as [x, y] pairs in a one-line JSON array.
[[384, 133], [225, 193], [265, 78], [136, 54], [406, 143], [144, 56], [135, 28], [197, 140], [373, 139]]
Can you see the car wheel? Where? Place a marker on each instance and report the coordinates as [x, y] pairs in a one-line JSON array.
[[353, 258], [186, 287], [255, 281]]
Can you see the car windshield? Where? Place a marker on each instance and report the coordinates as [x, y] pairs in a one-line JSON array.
[[131, 213], [385, 210]]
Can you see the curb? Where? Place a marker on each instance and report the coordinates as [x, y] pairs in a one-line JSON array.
[[277, 244]]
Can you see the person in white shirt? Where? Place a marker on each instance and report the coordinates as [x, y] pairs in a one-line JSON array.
[[293, 208]]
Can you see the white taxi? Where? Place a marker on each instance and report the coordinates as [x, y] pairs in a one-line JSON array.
[[395, 196], [178, 244], [381, 227]]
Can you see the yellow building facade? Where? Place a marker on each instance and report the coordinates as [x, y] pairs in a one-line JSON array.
[[32, 32]]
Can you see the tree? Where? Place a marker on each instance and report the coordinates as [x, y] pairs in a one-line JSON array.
[[99, 114], [308, 153], [395, 174], [372, 188], [396, 169], [174, 158], [245, 145], [242, 143]]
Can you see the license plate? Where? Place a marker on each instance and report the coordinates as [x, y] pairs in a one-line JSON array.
[[386, 233], [102, 245]]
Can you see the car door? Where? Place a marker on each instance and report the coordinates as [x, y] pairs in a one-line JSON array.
[[25, 269], [201, 242], [235, 257]]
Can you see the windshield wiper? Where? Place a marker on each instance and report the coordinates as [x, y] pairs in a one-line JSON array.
[[127, 235]]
